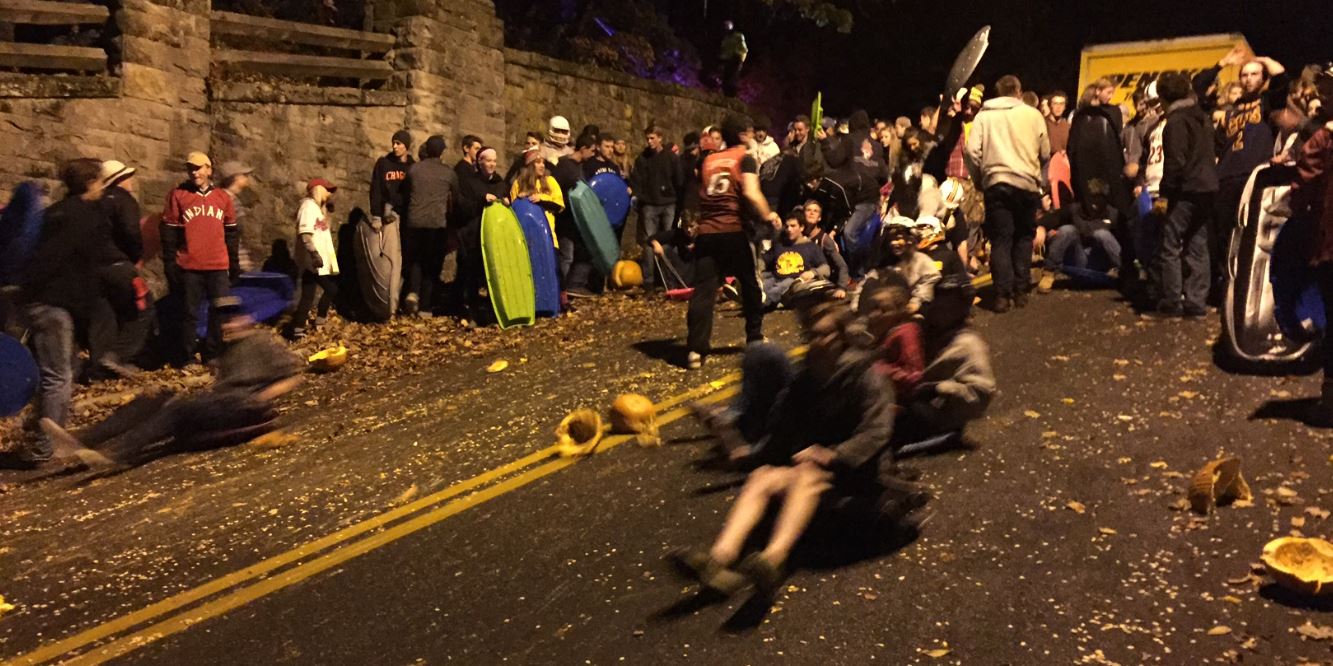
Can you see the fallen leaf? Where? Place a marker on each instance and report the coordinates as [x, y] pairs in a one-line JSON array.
[[1243, 580], [1067, 401], [406, 496], [1220, 630], [1188, 395], [1314, 632], [1031, 414], [1316, 512], [497, 366], [1107, 530], [1060, 357], [5, 607], [936, 653], [1124, 417], [1250, 643], [1231, 600], [1181, 504], [1124, 460], [1160, 464], [1076, 507], [1119, 377], [1283, 491], [1298, 521], [1121, 362]]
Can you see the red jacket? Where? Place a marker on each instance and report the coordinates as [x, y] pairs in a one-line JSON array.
[[901, 360], [200, 231]]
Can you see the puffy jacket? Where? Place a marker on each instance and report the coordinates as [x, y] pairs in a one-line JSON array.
[[1007, 145], [1187, 146]]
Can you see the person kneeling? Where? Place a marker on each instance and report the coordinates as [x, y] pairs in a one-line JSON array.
[[827, 442]]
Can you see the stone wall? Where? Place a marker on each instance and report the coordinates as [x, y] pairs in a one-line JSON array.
[[453, 77], [538, 87]]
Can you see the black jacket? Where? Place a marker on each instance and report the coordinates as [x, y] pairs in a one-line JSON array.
[[75, 243], [1187, 146], [657, 177], [472, 196], [122, 212]]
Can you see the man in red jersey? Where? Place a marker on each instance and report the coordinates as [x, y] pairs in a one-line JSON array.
[[199, 250], [723, 248]]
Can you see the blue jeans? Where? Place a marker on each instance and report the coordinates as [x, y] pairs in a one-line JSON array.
[[53, 346], [652, 221], [1184, 253], [857, 256], [1067, 248], [766, 372], [774, 289]]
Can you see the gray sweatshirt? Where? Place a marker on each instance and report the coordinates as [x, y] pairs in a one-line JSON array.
[[961, 380], [1007, 145], [432, 194]]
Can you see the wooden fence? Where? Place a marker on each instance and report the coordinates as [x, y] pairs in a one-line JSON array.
[[51, 57]]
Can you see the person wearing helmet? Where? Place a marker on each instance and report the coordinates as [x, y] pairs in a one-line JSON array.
[[896, 251], [729, 178], [556, 143], [933, 243]]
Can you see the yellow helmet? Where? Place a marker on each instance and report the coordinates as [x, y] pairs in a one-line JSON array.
[[634, 414], [328, 360]]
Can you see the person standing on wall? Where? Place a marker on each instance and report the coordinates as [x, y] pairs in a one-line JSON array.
[[199, 251], [728, 177], [731, 56]]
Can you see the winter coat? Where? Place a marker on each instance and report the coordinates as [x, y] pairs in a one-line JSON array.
[[75, 243], [123, 212], [473, 190], [657, 177], [1007, 145], [1187, 146], [765, 150]]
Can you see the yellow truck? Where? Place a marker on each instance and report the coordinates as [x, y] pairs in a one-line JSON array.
[[1130, 65]]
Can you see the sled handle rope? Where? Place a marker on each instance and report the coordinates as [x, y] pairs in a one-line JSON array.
[[658, 261]]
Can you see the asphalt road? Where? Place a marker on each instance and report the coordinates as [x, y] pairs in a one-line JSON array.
[[1055, 538]]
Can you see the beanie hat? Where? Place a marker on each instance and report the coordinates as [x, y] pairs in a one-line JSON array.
[[404, 137]]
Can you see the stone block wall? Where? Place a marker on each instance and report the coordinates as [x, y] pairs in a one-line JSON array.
[[538, 87], [453, 77]]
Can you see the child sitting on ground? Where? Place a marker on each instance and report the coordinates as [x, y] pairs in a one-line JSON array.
[[896, 336], [827, 435]]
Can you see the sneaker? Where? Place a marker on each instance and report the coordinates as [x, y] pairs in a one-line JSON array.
[[697, 566], [1003, 304], [1164, 311], [765, 575], [1020, 299], [730, 292], [295, 333], [694, 360], [1046, 283], [67, 449], [411, 304]]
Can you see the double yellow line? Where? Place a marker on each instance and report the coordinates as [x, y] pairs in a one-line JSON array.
[[183, 610]]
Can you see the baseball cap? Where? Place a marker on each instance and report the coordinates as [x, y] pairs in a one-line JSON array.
[[114, 171], [232, 168], [198, 158], [320, 182]]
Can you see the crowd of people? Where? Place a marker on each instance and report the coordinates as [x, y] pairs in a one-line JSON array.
[[873, 231]]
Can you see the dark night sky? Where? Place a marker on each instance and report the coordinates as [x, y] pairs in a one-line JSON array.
[[898, 54]]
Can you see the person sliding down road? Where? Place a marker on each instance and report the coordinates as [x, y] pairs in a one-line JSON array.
[[253, 370], [723, 247], [823, 449]]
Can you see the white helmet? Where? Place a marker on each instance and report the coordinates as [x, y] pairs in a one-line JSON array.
[[557, 131], [952, 193], [1150, 92]]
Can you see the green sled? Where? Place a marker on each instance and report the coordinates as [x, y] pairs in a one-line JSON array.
[[504, 252], [594, 227]]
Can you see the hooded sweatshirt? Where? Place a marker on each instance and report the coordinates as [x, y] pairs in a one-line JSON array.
[[1007, 145], [1187, 140], [656, 177], [765, 150], [387, 184]]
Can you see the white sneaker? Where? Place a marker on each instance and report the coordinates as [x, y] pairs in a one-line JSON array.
[[694, 360]]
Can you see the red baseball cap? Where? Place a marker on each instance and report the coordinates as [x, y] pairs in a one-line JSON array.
[[320, 182]]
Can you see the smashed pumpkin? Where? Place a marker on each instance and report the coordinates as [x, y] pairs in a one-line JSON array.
[[1217, 484], [1301, 564], [329, 359], [626, 275], [579, 433], [634, 414]]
